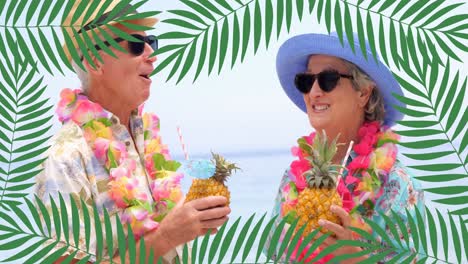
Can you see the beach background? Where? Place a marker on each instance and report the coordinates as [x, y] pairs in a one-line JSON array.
[[241, 113]]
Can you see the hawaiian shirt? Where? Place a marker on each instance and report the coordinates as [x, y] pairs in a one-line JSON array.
[[401, 192], [72, 169]]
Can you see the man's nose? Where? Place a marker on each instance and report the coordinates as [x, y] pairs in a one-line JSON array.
[[148, 51]]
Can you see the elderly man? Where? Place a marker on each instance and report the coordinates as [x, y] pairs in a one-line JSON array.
[[107, 153]]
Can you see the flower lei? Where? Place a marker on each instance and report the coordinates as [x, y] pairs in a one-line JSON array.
[[143, 213], [376, 154]]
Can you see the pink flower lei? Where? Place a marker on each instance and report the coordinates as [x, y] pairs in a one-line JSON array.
[[367, 173], [124, 189]]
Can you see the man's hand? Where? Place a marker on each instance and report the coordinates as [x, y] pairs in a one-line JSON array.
[[187, 221]]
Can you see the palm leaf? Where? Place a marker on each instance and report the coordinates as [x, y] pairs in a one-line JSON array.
[[26, 32], [420, 224], [20, 112], [38, 250]]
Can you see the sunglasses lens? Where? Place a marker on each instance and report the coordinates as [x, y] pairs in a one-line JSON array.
[[137, 48], [304, 82], [152, 41], [328, 81]]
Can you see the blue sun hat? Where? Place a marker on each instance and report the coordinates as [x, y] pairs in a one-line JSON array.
[[293, 55]]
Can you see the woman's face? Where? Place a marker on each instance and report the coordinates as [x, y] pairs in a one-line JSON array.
[[342, 109]]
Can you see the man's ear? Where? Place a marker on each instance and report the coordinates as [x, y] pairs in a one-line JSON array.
[[365, 94], [93, 68]]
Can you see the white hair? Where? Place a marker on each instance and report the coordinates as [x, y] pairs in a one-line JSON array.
[[375, 109], [82, 74]]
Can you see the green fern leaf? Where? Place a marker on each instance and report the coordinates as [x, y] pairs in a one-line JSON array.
[[257, 26], [241, 238], [429, 156], [188, 62], [286, 240], [460, 200], [268, 21], [223, 44], [289, 12], [385, 5], [295, 241], [322, 253], [235, 40], [456, 107], [23, 253], [361, 34], [274, 239], [252, 237], [213, 48], [225, 4], [187, 14], [202, 58], [441, 178], [215, 244], [456, 239], [245, 32], [450, 95], [203, 247], [279, 16], [228, 240], [372, 4], [200, 9], [339, 22], [419, 132], [349, 28], [328, 14], [437, 167], [264, 236], [370, 36], [311, 5]]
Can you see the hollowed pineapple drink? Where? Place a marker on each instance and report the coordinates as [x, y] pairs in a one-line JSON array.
[[215, 185], [315, 200]]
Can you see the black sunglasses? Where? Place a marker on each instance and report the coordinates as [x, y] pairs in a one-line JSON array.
[[327, 80], [134, 47]]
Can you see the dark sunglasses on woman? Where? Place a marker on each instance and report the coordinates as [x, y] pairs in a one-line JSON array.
[[134, 47], [327, 80]]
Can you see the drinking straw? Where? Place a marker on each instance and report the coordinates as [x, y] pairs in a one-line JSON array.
[[344, 162], [181, 139]]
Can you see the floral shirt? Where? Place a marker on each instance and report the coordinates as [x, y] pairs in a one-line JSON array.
[[72, 169], [401, 192]]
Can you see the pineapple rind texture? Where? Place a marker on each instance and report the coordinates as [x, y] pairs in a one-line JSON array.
[[313, 205], [207, 187]]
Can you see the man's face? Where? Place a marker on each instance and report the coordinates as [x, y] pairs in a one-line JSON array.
[[125, 79]]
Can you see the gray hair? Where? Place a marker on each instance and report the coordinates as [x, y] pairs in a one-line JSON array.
[[375, 108], [81, 74]]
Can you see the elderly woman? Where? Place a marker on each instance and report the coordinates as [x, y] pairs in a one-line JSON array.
[[349, 97]]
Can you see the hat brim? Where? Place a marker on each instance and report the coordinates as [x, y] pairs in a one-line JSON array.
[[293, 58], [148, 22]]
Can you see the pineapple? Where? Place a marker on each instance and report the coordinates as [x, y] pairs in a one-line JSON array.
[[214, 185], [315, 200]]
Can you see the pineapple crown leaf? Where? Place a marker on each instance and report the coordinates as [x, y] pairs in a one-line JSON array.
[[323, 173], [223, 168]]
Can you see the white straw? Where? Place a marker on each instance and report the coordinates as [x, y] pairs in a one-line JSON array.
[[344, 162], [181, 139]]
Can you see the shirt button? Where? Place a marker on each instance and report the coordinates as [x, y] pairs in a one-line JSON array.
[[127, 143]]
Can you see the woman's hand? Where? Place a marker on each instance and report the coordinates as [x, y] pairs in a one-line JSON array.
[[341, 232]]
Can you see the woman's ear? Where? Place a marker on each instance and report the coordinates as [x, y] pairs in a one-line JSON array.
[[365, 94]]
